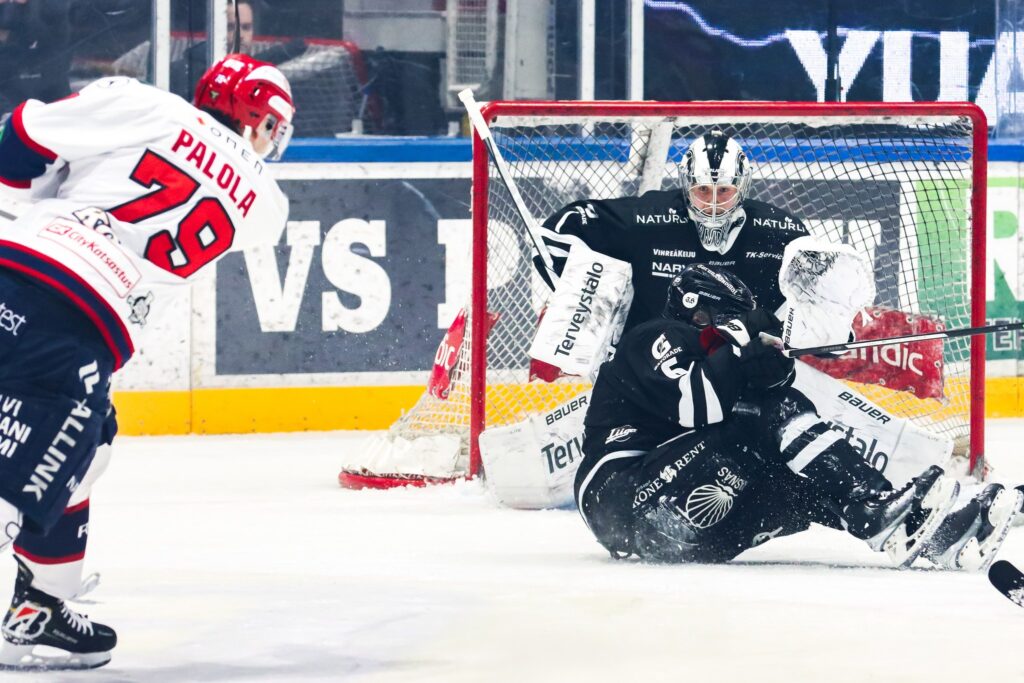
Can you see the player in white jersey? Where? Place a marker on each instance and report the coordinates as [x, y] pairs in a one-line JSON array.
[[130, 186]]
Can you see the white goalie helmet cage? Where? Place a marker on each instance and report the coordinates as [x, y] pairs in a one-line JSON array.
[[713, 163]]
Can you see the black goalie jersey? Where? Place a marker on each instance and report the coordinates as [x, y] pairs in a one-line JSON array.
[[655, 234]]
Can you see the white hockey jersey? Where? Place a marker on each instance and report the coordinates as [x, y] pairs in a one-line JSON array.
[[175, 188]]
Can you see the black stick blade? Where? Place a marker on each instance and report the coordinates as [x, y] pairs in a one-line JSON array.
[[1008, 580]]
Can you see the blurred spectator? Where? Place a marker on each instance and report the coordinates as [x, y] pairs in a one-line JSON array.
[[186, 70], [246, 23], [328, 77], [189, 64], [34, 51]]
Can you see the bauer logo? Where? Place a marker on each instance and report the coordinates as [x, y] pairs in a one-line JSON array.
[[865, 407], [565, 410]]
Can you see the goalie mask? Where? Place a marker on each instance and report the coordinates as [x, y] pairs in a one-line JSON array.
[[701, 295], [715, 175]]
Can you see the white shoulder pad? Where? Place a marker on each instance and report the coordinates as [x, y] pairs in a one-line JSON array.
[[825, 284], [585, 314]]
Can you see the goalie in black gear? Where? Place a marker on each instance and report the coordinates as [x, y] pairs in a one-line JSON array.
[[711, 220], [697, 448]]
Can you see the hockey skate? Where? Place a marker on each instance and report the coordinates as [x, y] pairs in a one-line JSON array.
[[900, 521], [969, 538], [39, 619]]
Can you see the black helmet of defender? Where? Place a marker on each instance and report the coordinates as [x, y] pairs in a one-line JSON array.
[[701, 295], [715, 177]]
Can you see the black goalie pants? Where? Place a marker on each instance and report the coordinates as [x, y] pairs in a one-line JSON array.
[[701, 497]]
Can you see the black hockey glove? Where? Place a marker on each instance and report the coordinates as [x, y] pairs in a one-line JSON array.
[[765, 368], [747, 327]]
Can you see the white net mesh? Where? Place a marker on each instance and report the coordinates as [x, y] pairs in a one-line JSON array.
[[895, 188], [329, 83], [472, 43]]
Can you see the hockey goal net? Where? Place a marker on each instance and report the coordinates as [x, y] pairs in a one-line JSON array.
[[902, 183]]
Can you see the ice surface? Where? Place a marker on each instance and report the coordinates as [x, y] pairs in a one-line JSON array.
[[239, 559]]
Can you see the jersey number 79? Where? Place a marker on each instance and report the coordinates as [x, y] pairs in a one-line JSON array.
[[203, 234]]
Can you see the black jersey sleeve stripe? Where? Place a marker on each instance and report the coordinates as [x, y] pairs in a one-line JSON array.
[[697, 398], [712, 402]]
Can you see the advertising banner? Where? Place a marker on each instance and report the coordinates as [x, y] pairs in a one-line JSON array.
[[374, 266]]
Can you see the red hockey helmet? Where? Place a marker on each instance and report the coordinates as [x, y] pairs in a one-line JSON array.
[[251, 95]]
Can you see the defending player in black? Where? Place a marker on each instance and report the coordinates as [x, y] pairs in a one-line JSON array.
[[697, 448]]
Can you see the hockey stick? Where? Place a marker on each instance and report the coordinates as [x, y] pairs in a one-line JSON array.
[[532, 228], [1008, 580], [868, 343]]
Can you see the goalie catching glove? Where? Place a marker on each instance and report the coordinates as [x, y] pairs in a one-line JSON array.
[[825, 285]]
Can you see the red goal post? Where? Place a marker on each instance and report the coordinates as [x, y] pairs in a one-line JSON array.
[[898, 180]]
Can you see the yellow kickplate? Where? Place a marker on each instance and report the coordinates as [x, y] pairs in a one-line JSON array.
[[290, 409]]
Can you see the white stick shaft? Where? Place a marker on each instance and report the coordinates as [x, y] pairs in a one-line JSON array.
[[532, 227], [867, 343]]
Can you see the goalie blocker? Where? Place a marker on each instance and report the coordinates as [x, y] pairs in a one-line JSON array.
[[583, 319]]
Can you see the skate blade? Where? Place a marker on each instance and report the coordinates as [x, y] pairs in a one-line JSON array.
[[24, 658], [903, 549], [1002, 514]]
